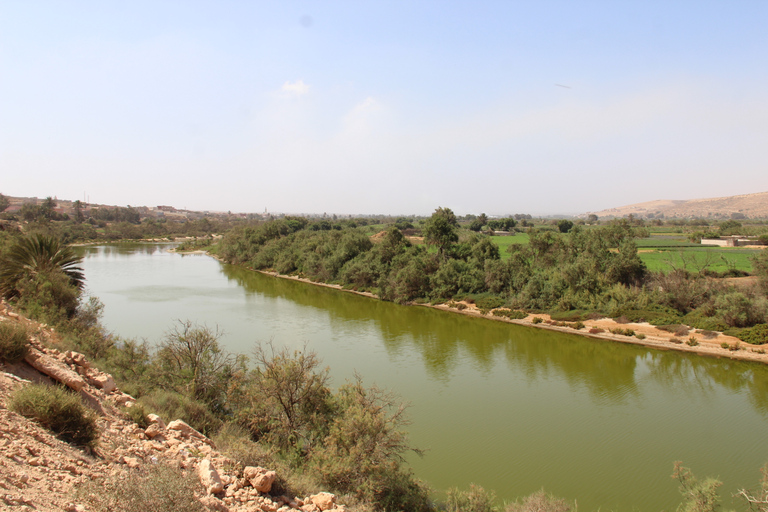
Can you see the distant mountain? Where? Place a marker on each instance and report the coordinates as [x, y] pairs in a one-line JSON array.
[[750, 206]]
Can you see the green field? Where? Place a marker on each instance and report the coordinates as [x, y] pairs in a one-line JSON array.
[[505, 241], [695, 259]]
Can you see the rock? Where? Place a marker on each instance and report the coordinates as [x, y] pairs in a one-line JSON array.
[[54, 369], [209, 477], [211, 503], [153, 430], [131, 462], [323, 500], [154, 418], [105, 382], [79, 359], [309, 507], [259, 478], [185, 429]]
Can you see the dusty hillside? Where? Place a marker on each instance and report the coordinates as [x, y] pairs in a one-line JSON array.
[[39, 472], [748, 205]]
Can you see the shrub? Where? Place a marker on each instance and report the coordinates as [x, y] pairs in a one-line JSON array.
[[58, 410], [508, 313], [595, 330], [154, 487], [476, 499], [757, 335], [578, 325], [489, 302], [676, 341], [724, 345], [539, 501], [14, 341], [692, 341], [570, 316], [640, 336], [536, 320]]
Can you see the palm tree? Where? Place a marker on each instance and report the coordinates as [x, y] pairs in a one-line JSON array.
[[35, 256]]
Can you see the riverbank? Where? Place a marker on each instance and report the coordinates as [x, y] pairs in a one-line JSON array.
[[704, 343]]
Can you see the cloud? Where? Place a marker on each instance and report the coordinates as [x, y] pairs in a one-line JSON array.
[[297, 88]]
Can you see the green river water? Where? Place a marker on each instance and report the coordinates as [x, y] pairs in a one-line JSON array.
[[511, 408]]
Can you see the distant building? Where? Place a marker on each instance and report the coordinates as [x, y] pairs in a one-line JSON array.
[[731, 241]]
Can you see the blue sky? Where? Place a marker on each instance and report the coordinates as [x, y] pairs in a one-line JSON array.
[[384, 107]]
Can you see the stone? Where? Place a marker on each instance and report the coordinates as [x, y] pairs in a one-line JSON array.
[[323, 500], [209, 477], [131, 462], [153, 430], [54, 369], [154, 418], [211, 503], [259, 478], [105, 382], [184, 429]]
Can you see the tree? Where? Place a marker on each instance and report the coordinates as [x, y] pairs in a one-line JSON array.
[[564, 225], [440, 230], [591, 218], [285, 400], [193, 362], [79, 217], [48, 208], [4, 203], [36, 255], [699, 496]]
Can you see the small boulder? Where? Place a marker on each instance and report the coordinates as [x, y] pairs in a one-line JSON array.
[[105, 382], [259, 478], [153, 430], [209, 477], [184, 429], [323, 500], [154, 418]]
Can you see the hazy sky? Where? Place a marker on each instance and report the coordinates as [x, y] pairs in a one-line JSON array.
[[363, 106]]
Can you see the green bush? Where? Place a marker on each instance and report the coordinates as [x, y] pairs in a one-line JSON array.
[[640, 336], [476, 499], [489, 303], [508, 313], [756, 335], [692, 341], [58, 410], [539, 501], [570, 316], [537, 320], [14, 341], [154, 487]]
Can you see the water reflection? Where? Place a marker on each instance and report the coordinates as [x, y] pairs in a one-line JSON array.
[[608, 370]]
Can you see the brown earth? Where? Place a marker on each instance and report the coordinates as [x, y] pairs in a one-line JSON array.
[[750, 205]]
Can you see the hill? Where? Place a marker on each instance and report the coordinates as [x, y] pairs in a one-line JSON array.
[[749, 206]]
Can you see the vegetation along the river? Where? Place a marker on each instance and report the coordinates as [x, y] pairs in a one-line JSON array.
[[281, 411]]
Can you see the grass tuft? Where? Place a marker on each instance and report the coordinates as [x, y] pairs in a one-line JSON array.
[[14, 341], [58, 410]]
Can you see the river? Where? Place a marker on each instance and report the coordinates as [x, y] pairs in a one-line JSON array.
[[511, 408]]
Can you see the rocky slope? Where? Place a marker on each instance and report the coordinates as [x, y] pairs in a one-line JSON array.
[[39, 472]]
